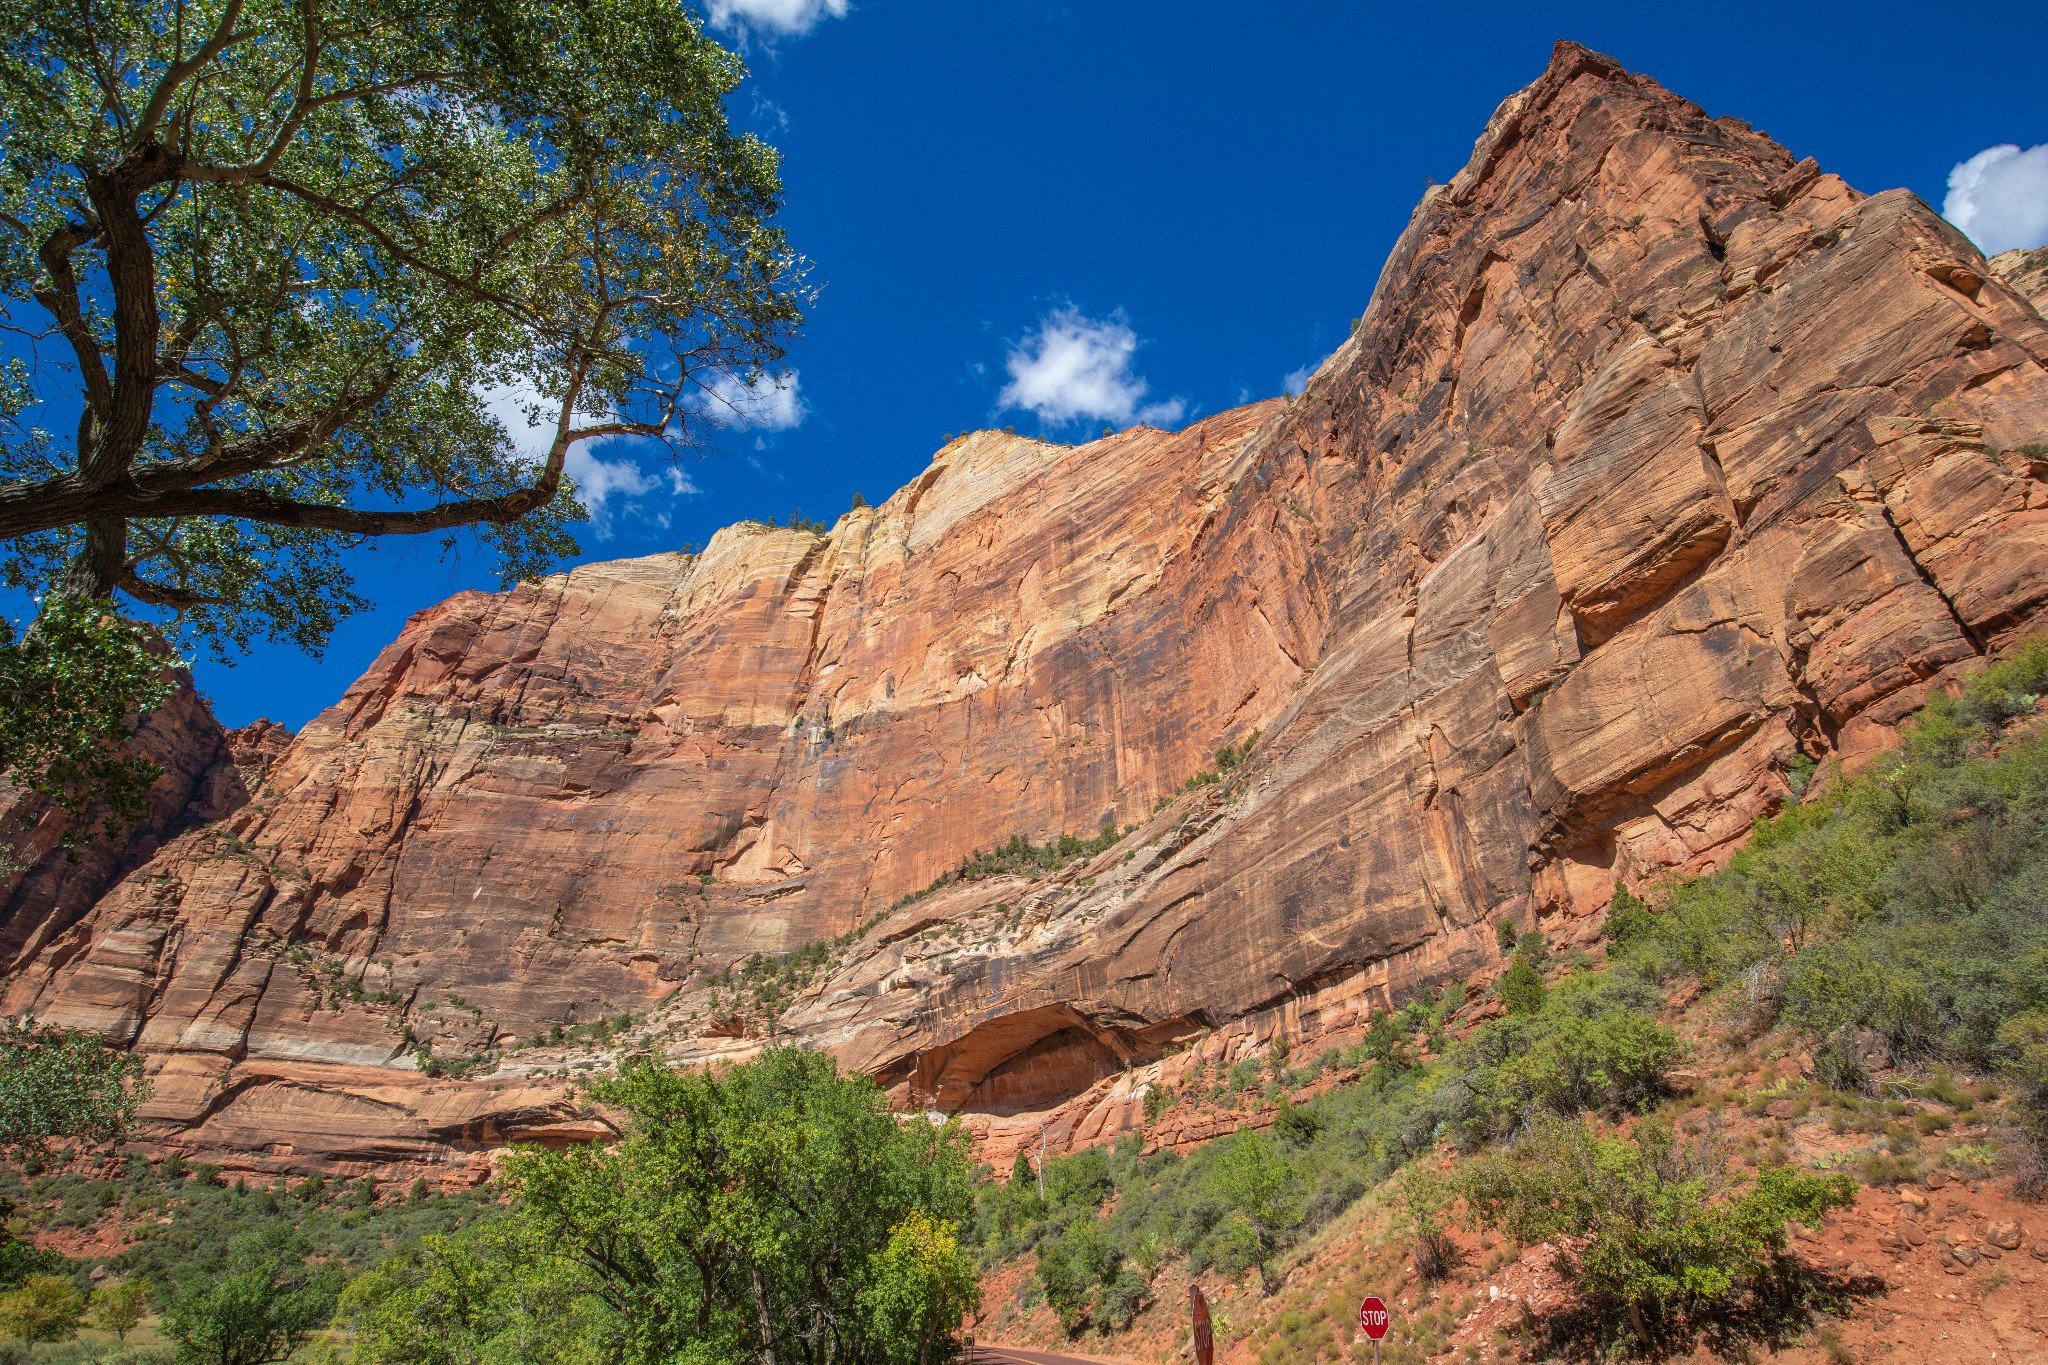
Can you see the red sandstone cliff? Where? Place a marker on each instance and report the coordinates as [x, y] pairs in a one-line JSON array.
[[205, 772], [1659, 457]]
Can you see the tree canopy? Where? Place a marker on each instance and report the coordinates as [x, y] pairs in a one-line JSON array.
[[271, 261], [771, 1211], [257, 1313], [67, 689], [63, 1083]]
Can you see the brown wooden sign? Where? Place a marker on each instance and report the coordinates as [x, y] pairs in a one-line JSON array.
[[1205, 1341]]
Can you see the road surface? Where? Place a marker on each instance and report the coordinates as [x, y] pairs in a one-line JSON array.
[[985, 1354]]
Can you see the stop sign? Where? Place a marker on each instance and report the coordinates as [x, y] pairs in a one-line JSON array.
[[1373, 1318]]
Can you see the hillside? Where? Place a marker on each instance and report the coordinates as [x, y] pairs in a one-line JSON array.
[[1660, 465], [1851, 1013]]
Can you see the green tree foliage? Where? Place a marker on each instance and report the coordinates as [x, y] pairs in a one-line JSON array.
[[255, 1313], [19, 1259], [1658, 1233], [918, 1288], [283, 248], [69, 687], [61, 1083], [774, 1210], [1258, 1184], [120, 1306], [289, 254], [485, 1298], [41, 1308]]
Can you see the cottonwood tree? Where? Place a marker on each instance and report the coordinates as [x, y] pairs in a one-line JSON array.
[[265, 263], [769, 1213], [259, 1312], [63, 1084]]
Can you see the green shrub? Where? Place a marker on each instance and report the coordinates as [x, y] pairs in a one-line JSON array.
[[1083, 1276], [1520, 987], [1122, 1299], [1158, 1099], [1628, 916], [1660, 1236], [1609, 1064], [1238, 1202]]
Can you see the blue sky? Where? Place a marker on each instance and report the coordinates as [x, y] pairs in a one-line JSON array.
[[1121, 209]]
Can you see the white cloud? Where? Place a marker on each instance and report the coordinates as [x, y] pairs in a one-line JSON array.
[[770, 114], [600, 482], [767, 402], [1076, 368], [1999, 198], [775, 18], [1296, 380]]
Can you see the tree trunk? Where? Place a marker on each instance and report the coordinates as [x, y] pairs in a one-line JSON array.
[[98, 564], [768, 1355]]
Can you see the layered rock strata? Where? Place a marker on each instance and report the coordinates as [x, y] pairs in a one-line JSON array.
[[1660, 459], [50, 878], [2026, 272]]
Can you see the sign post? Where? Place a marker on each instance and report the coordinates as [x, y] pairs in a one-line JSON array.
[[1374, 1320], [1205, 1341]]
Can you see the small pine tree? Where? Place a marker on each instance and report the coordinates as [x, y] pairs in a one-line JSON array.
[[1521, 988]]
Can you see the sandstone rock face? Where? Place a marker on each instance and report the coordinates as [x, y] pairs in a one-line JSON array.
[[206, 773], [2026, 272], [552, 806], [1659, 458]]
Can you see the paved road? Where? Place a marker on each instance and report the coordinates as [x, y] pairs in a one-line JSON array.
[[984, 1354]]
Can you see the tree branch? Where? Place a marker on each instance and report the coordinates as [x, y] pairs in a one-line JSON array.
[[223, 38], [163, 594], [169, 490], [60, 299], [404, 255], [131, 274]]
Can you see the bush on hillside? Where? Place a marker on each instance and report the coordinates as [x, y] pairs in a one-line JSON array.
[[1243, 1201], [1658, 1234]]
